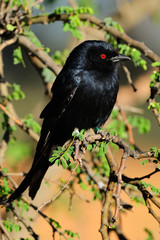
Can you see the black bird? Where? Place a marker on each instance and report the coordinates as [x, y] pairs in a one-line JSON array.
[[84, 94]]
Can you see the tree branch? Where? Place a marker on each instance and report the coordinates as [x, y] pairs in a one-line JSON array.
[[19, 123], [45, 58], [86, 17]]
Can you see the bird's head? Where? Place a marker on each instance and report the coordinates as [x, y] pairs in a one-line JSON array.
[[97, 55], [102, 55]]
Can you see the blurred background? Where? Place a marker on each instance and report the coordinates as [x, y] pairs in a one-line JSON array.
[[141, 20]]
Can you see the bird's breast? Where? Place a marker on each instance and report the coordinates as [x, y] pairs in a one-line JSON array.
[[94, 100]]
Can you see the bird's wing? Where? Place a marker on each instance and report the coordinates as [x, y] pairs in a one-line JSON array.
[[63, 90]]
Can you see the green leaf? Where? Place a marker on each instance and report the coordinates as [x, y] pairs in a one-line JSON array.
[[150, 234], [111, 23], [17, 93], [11, 226], [64, 165], [155, 150], [144, 162], [134, 54], [156, 64], [154, 189], [16, 228], [89, 147], [11, 27], [60, 57], [143, 124], [31, 123], [83, 186], [17, 151], [4, 170], [55, 223], [32, 37], [71, 234], [17, 56], [48, 75]]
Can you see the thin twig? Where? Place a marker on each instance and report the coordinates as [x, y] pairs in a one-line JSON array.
[[8, 42], [154, 110], [5, 231], [119, 185], [129, 77], [128, 126], [27, 226], [29, 131], [62, 189]]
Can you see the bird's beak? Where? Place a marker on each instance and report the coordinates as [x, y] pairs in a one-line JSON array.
[[120, 57]]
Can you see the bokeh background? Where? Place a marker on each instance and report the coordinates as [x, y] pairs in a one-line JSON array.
[[141, 20]]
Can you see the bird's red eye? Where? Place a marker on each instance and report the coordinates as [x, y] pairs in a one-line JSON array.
[[103, 56]]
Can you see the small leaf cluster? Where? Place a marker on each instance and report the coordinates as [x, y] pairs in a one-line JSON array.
[[66, 231], [24, 4], [4, 188], [61, 156], [17, 56], [89, 186], [155, 190], [55, 223], [11, 226], [155, 78], [155, 105], [109, 22], [124, 48], [142, 124], [11, 129], [31, 123], [74, 20], [60, 57], [23, 206], [156, 152], [138, 199], [70, 10], [32, 37], [103, 168], [48, 75], [156, 74], [134, 54], [117, 126], [144, 162], [96, 193], [17, 93], [150, 234], [79, 135], [71, 234]]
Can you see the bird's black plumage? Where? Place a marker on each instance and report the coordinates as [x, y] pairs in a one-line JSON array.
[[84, 94]]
